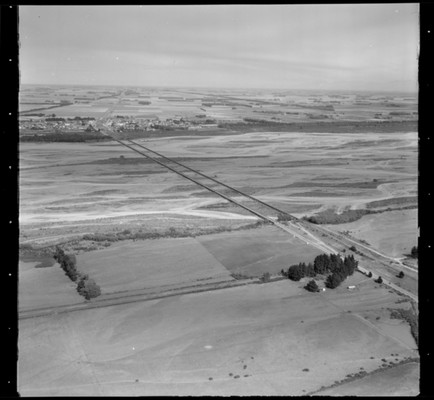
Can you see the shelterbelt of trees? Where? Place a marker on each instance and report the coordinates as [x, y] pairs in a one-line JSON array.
[[337, 268], [86, 287]]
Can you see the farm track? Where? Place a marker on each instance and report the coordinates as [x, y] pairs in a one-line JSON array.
[[120, 298]]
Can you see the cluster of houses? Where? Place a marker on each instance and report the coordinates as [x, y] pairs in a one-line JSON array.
[[51, 123], [117, 123], [122, 123]]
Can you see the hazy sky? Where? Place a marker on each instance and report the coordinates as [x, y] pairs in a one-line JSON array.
[[354, 47]]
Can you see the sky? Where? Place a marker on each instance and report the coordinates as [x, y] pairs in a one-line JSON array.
[[329, 47]]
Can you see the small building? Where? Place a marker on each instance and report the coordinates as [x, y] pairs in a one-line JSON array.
[[351, 287]]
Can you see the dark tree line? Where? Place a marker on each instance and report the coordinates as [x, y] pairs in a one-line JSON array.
[[85, 287], [338, 268], [67, 263], [77, 136]]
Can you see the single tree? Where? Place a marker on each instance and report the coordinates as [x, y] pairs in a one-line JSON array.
[[401, 275], [90, 289], [312, 286], [379, 280], [369, 274]]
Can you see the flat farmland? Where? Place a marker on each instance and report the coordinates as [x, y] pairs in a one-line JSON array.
[[151, 263], [83, 110], [135, 226], [44, 287], [155, 263], [393, 233], [257, 251], [272, 339]]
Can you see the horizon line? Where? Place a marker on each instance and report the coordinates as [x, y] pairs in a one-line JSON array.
[[216, 87]]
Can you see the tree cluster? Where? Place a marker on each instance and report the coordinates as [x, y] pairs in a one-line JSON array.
[[338, 268], [85, 287], [414, 252], [88, 288], [341, 269], [284, 217], [379, 280], [331, 217], [312, 286], [299, 271]]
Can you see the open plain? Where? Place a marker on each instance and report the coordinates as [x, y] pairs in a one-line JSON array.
[[210, 324], [254, 340]]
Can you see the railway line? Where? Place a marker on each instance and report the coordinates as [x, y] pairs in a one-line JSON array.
[[296, 227], [187, 172]]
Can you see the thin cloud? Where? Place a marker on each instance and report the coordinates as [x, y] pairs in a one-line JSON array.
[[206, 42]]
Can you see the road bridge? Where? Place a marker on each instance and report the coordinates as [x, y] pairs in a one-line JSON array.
[[294, 226]]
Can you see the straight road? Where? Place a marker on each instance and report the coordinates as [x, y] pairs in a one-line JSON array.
[[294, 226]]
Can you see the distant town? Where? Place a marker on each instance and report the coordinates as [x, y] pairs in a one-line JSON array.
[[119, 123]]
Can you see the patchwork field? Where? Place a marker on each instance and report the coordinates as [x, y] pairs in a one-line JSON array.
[[234, 105], [254, 252], [137, 228], [151, 263]]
